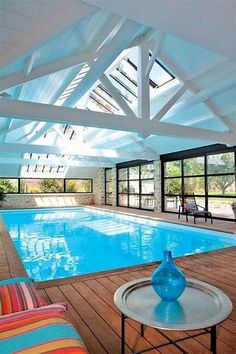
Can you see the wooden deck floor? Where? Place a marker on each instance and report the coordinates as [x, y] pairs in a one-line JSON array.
[[92, 310]]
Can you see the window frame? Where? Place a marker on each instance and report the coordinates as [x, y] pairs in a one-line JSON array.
[[139, 179], [19, 179], [204, 152]]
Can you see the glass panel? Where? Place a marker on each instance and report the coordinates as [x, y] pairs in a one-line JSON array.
[[78, 186], [222, 185], [172, 168], [147, 187], [147, 202], [109, 175], [221, 207], [172, 203], [194, 185], [109, 187], [147, 171], [134, 201], [122, 174], [109, 199], [221, 163], [8, 185], [173, 186], [134, 172], [123, 187], [45, 185], [134, 187], [194, 166], [123, 200]]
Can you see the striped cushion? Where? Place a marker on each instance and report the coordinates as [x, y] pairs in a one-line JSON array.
[[41, 330], [18, 294]]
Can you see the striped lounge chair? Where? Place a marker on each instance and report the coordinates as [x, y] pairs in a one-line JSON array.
[[29, 326]]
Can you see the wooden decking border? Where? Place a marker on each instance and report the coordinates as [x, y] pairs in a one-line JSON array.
[[92, 310]]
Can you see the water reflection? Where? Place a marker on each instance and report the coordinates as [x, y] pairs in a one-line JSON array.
[[169, 312], [61, 243]]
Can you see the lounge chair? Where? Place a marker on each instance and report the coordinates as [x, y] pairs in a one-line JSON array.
[[29, 325], [189, 207]]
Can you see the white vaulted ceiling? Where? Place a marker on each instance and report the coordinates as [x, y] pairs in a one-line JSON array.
[[90, 84]]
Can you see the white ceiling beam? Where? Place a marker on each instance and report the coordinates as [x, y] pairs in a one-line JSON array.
[[204, 95], [120, 41], [62, 14], [30, 63], [59, 162], [65, 115], [19, 125], [116, 96], [155, 52], [81, 150], [181, 90], [223, 68], [143, 82], [46, 69]]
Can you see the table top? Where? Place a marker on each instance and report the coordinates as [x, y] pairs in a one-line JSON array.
[[200, 306]]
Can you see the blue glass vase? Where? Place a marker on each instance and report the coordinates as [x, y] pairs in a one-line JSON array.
[[168, 280]]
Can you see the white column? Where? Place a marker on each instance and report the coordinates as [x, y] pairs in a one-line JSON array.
[[143, 83], [157, 185]]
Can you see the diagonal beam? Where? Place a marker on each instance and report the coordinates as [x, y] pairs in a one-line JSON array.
[[18, 126], [65, 115], [62, 14], [170, 103], [46, 69], [223, 68], [155, 53], [204, 95], [120, 41], [117, 97]]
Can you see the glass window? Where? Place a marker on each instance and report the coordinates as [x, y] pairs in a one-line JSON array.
[[147, 187], [108, 187], [134, 172], [172, 202], [194, 185], [122, 174], [137, 182], [123, 199], [134, 187], [123, 187], [214, 186], [78, 185], [134, 201], [221, 207], [108, 199], [9, 185], [108, 174], [194, 166], [221, 163], [147, 202], [43, 185], [147, 171], [172, 168], [221, 185], [173, 186]]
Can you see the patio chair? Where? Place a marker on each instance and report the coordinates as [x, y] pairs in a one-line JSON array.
[[189, 207]]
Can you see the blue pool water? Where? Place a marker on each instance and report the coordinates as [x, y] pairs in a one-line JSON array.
[[58, 243]]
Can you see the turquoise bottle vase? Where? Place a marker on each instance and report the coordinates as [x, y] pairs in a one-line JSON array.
[[168, 280]]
